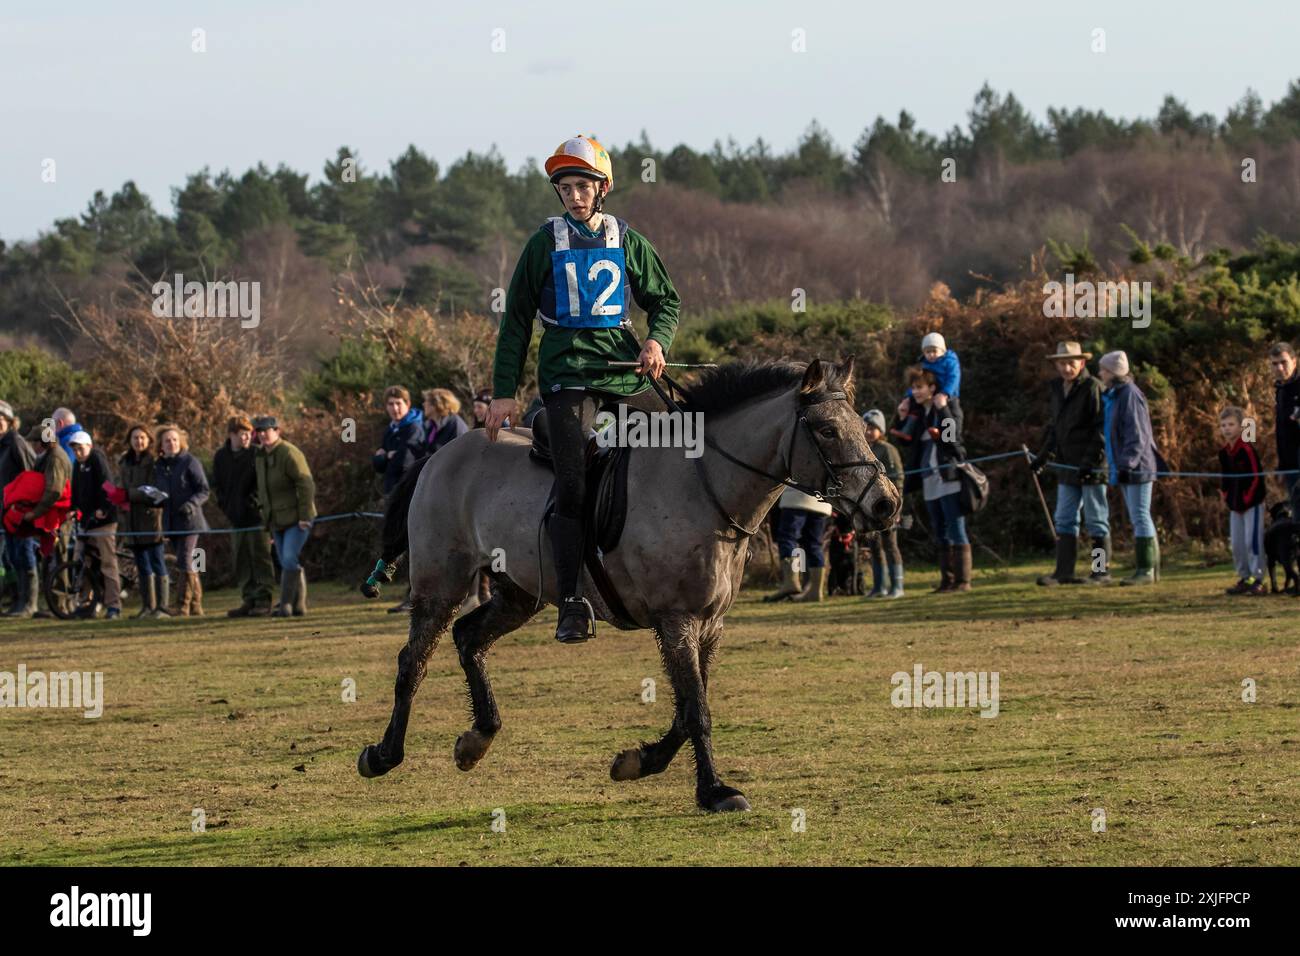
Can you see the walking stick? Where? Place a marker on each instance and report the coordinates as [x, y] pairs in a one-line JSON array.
[[1038, 486]]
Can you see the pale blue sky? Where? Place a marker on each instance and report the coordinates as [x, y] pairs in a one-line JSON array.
[[112, 91]]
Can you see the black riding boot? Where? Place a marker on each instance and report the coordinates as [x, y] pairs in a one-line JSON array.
[[577, 621]]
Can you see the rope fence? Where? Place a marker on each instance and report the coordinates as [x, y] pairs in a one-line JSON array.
[[1000, 456]]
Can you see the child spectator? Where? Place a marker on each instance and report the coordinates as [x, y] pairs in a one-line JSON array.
[[1243, 493], [91, 478], [936, 357], [884, 544]]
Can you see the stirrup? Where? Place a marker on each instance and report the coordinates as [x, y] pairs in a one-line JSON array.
[[589, 629]]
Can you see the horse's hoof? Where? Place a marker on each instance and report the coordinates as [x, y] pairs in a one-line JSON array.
[[724, 800], [627, 765], [470, 748], [738, 802], [371, 764]]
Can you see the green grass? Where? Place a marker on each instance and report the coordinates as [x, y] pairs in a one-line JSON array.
[[1125, 699]]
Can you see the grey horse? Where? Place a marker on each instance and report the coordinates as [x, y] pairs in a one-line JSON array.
[[677, 568]]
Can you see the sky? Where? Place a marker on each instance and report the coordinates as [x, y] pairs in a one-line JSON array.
[[115, 91]]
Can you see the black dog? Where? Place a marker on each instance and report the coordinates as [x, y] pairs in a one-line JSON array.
[[842, 558], [1282, 545]]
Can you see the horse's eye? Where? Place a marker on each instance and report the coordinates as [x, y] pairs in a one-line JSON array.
[[829, 433]]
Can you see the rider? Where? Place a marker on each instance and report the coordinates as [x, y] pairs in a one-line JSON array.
[[578, 274]]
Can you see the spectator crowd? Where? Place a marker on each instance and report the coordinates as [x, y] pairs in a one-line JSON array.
[[63, 492]]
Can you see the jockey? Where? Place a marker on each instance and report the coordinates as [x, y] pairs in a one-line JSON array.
[[579, 274]]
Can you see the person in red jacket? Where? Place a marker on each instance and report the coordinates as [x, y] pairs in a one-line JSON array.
[[1243, 493]]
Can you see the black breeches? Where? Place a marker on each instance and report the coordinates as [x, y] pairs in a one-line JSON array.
[[570, 412]]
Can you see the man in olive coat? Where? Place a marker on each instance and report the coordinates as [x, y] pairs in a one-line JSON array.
[[286, 495], [1075, 443]]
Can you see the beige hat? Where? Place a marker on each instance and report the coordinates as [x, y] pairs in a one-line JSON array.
[[1068, 350], [1116, 362]]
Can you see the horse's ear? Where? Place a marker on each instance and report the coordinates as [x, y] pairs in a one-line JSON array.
[[846, 372], [814, 378]]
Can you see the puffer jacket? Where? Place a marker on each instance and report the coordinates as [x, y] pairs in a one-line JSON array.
[[186, 485]]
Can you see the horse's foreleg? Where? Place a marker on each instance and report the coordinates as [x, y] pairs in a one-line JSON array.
[[509, 608], [651, 758], [429, 619], [680, 646]]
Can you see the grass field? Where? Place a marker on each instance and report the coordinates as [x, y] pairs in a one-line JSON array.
[[1128, 700]]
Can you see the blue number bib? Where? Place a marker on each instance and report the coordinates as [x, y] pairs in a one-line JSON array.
[[589, 287]]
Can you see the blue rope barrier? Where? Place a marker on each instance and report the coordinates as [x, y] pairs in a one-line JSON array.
[[1159, 474], [181, 534], [1001, 456]]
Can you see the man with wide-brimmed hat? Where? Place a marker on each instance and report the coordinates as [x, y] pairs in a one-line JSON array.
[[1074, 444]]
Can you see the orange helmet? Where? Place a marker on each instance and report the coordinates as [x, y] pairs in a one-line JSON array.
[[581, 156]]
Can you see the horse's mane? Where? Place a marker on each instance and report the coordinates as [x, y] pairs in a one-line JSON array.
[[736, 382]]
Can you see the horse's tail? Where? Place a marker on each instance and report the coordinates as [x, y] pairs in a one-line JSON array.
[[395, 541]]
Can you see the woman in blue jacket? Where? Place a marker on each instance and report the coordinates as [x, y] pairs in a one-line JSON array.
[[179, 474], [1131, 451]]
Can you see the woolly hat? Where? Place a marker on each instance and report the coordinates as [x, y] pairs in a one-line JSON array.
[[1115, 362], [876, 418], [936, 340]]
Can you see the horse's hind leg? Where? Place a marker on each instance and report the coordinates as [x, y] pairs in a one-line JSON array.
[[509, 608], [429, 619], [686, 646]]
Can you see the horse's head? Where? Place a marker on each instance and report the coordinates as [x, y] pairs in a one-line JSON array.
[[830, 452]]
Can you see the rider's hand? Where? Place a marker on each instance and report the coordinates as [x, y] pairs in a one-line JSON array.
[[941, 400], [903, 407], [305, 525], [651, 360], [498, 412], [27, 518]]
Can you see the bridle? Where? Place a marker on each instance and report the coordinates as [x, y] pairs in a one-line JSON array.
[[833, 485]]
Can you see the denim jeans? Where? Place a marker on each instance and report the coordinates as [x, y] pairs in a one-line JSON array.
[[798, 528], [288, 543], [1137, 502], [947, 523], [149, 559], [21, 553], [1096, 512]]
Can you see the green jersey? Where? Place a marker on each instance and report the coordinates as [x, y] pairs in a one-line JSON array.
[[577, 357]]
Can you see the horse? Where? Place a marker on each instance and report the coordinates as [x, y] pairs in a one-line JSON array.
[[677, 567]]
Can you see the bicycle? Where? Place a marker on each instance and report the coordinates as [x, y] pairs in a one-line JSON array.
[[64, 574]]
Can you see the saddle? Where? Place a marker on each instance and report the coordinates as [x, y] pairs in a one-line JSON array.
[[604, 510]]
